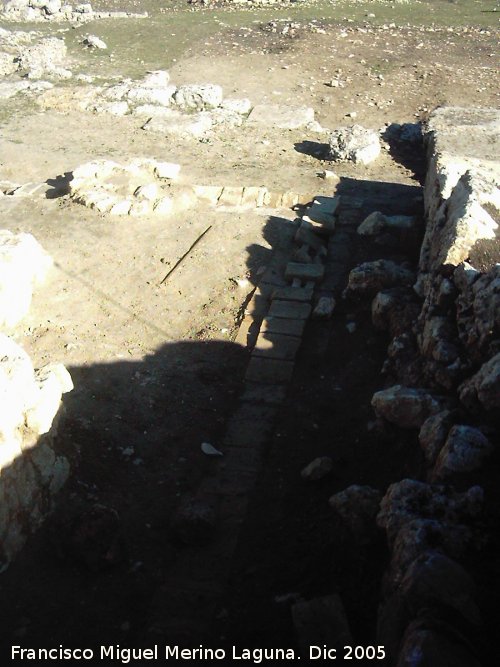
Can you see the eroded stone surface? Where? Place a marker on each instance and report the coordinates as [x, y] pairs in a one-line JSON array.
[[370, 277], [354, 144], [24, 264], [30, 471]]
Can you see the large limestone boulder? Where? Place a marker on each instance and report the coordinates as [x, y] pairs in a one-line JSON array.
[[371, 277], [198, 96], [48, 56], [466, 449], [24, 264], [406, 407], [354, 144]]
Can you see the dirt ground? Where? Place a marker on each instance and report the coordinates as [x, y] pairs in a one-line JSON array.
[[155, 368]]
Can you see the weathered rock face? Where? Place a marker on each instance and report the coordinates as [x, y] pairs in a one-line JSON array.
[[478, 313], [395, 310], [410, 499], [406, 407], [23, 265], [465, 449], [281, 116], [198, 96], [483, 388], [433, 434], [371, 277], [48, 56], [377, 222], [30, 471], [354, 144], [459, 222], [453, 348]]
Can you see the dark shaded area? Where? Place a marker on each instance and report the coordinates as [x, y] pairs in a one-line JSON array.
[[406, 145], [314, 148], [60, 185]]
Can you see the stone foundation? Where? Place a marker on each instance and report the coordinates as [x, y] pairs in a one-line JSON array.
[[31, 472]]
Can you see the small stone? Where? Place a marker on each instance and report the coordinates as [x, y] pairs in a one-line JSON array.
[[94, 42], [317, 469], [324, 308]]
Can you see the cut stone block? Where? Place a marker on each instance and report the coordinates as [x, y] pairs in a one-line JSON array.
[[281, 116], [289, 199], [276, 346], [327, 204], [273, 199], [290, 309], [253, 196], [304, 235], [283, 326], [231, 196], [256, 392], [303, 294], [275, 371], [313, 272], [321, 229], [209, 192], [251, 425]]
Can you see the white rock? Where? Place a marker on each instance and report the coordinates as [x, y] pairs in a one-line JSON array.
[[23, 264], [149, 192], [94, 42], [156, 79], [281, 116], [151, 95], [210, 450], [242, 106], [198, 96], [181, 125], [354, 144], [169, 170]]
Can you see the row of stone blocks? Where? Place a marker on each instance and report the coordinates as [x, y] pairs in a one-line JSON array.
[[273, 325]]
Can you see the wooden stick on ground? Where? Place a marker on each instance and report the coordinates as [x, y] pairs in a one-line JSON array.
[[185, 254]]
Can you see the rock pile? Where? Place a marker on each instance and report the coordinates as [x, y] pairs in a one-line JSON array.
[[30, 401], [55, 10], [354, 144], [443, 371]]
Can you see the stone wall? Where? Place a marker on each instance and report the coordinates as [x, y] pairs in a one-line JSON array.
[[31, 472], [446, 364]]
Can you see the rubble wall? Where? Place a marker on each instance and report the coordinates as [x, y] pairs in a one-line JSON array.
[[445, 374], [31, 472]]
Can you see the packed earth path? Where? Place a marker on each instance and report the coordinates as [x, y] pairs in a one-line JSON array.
[[190, 515]]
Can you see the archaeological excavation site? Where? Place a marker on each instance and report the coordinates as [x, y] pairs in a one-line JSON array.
[[250, 332]]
